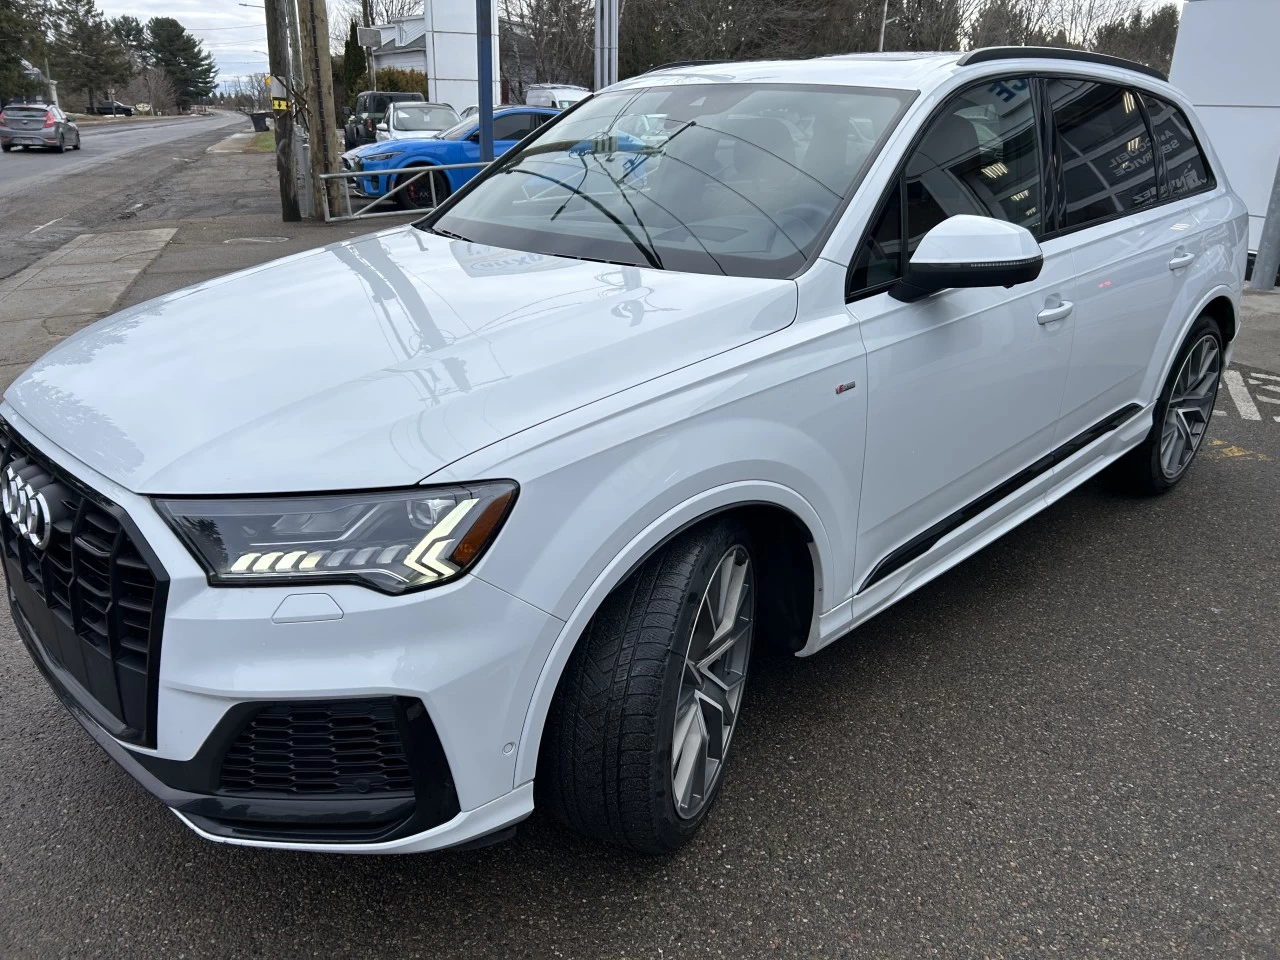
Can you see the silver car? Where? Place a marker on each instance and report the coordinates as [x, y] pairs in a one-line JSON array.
[[37, 125]]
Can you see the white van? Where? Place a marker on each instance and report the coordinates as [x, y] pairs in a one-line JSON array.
[[1225, 63], [558, 95]]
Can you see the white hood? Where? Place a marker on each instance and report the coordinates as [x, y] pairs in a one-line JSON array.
[[370, 363]]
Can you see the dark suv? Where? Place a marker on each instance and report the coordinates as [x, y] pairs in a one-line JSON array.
[[371, 107]]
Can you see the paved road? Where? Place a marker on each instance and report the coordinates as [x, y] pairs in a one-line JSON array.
[[48, 198], [102, 142]]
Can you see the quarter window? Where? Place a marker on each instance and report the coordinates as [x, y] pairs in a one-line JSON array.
[[1185, 163], [1108, 165], [981, 157]]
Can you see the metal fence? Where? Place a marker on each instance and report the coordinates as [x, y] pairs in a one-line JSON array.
[[367, 212]]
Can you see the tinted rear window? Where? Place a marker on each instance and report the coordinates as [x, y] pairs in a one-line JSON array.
[[1107, 160], [1184, 161]]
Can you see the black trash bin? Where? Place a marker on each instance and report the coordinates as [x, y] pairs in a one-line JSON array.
[[259, 118]]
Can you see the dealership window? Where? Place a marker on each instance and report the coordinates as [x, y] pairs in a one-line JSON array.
[[1185, 163], [1108, 165], [980, 156]]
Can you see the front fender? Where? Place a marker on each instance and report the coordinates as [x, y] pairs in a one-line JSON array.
[[620, 566]]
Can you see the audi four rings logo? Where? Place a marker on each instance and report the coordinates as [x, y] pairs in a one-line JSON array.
[[24, 505]]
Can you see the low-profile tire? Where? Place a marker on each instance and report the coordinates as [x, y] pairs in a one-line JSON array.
[[417, 195], [1182, 415], [640, 728]]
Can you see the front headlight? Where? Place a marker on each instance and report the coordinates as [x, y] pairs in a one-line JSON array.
[[392, 541], [379, 157]]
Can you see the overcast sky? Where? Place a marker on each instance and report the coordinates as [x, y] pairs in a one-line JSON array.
[[235, 35]]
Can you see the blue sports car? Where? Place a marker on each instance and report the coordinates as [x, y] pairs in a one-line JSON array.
[[458, 144]]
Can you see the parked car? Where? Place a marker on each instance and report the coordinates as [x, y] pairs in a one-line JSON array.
[[562, 96], [459, 144], [495, 508], [113, 108], [371, 107], [410, 119], [37, 125]]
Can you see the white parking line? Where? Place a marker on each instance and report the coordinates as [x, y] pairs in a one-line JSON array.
[[1240, 394], [43, 225]]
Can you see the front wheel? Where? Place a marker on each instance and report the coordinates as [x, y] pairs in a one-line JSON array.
[[1182, 414], [641, 725], [427, 191]]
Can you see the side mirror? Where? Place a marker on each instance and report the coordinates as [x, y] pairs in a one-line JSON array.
[[969, 251], [383, 127]]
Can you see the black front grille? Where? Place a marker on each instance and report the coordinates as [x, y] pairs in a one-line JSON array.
[[93, 601], [342, 748]]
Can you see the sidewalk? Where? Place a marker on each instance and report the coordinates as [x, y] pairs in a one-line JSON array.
[[69, 289]]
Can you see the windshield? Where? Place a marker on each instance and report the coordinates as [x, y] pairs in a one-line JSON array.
[[735, 179], [419, 116], [459, 130]]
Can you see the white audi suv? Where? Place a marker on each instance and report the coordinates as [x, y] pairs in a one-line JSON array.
[[372, 548]]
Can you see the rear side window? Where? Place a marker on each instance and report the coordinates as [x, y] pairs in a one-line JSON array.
[[1184, 161], [1108, 164], [981, 157]]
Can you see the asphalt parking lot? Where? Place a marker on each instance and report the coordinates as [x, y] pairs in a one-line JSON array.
[[1066, 746]]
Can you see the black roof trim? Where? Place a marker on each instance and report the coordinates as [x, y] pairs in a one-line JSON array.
[[992, 54]]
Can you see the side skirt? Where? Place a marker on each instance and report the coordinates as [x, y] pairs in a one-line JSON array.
[[867, 603], [923, 542]]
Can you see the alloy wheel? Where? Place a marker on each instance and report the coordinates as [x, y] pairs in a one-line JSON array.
[[712, 681], [1186, 419]]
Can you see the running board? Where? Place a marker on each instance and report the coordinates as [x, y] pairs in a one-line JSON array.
[[922, 543]]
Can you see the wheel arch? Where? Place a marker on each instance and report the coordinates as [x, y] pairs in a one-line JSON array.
[[779, 518], [1219, 303]]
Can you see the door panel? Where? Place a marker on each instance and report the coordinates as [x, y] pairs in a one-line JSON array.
[[965, 387], [964, 391], [1126, 260]]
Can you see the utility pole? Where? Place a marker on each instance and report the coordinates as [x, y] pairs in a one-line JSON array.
[[606, 43], [884, 22], [278, 58], [367, 17], [318, 81], [1267, 262], [295, 43]]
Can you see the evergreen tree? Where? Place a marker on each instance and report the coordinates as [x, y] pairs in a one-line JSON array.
[[133, 37], [21, 36], [179, 54], [353, 66], [85, 55]]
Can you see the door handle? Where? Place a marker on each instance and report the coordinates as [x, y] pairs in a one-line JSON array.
[[1060, 312], [1181, 260]]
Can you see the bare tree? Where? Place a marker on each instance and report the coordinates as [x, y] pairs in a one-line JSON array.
[[154, 86], [342, 12]]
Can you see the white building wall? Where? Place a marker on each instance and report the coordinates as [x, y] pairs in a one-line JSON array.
[[451, 52], [1227, 63]]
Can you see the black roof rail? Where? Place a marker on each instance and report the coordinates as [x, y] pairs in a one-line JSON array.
[[991, 54], [685, 63]]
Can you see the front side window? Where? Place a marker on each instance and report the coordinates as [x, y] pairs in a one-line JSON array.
[[1108, 165], [1185, 163], [980, 156], [735, 179]]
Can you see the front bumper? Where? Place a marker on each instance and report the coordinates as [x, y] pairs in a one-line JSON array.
[[457, 663]]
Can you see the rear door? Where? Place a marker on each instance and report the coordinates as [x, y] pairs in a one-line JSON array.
[[1131, 250], [964, 388]]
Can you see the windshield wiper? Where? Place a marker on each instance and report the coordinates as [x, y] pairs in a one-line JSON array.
[[450, 234]]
